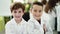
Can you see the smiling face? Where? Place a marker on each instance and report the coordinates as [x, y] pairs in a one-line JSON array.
[[17, 14], [37, 11]]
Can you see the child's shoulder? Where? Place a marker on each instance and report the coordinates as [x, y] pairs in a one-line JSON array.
[[9, 22]]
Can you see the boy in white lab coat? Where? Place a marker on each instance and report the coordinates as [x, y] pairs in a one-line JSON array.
[[58, 19], [38, 25], [34, 21], [58, 16], [17, 25]]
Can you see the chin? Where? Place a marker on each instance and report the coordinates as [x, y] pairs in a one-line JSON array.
[[18, 18], [38, 18]]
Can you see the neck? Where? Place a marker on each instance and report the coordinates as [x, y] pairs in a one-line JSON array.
[[39, 21], [18, 21]]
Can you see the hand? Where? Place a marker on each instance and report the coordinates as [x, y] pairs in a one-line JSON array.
[[44, 28]]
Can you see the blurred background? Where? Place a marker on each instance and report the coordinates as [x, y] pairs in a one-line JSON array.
[[5, 14]]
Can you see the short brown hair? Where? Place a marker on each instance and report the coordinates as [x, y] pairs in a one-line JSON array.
[[38, 3], [17, 5]]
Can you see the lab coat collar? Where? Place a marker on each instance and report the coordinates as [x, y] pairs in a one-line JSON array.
[[23, 21], [33, 19], [31, 16]]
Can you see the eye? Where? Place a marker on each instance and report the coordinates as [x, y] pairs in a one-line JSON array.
[[15, 11], [39, 10], [19, 11], [35, 10]]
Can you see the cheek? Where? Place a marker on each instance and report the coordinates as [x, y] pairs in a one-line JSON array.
[[34, 14], [40, 14], [21, 14]]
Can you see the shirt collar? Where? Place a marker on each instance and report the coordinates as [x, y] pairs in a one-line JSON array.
[[20, 22]]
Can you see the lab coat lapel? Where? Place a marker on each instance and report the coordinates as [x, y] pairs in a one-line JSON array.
[[13, 21], [23, 21], [36, 23]]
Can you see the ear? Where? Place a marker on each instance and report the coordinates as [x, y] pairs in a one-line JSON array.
[[24, 11], [30, 9]]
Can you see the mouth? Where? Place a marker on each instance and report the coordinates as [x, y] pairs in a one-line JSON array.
[[17, 16], [37, 15]]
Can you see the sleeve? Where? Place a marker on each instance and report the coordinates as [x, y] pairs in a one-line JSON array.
[[9, 29], [30, 28], [49, 30]]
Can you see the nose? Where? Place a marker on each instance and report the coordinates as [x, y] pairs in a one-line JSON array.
[[17, 13], [37, 12]]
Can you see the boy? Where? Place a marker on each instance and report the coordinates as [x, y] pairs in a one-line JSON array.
[[17, 25], [36, 23]]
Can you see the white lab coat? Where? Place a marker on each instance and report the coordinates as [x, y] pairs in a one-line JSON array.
[[58, 17], [45, 20], [52, 16], [35, 26], [13, 28]]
